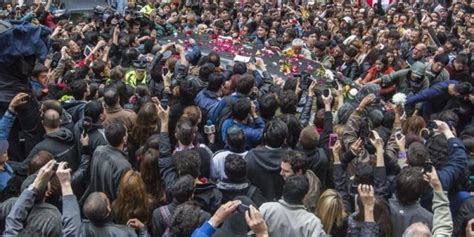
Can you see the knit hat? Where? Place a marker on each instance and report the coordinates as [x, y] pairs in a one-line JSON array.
[[418, 69], [3, 147]]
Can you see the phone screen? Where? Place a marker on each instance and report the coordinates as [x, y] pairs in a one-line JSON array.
[[87, 51], [399, 136], [164, 70], [332, 139]]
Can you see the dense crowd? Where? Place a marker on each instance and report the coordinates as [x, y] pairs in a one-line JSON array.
[[110, 130]]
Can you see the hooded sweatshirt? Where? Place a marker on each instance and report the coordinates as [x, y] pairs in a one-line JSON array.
[[60, 144], [263, 170]]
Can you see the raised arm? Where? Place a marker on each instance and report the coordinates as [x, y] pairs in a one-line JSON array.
[[340, 179], [442, 220], [453, 169], [22, 207], [71, 213]]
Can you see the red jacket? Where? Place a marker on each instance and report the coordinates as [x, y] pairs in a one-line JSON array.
[[372, 75]]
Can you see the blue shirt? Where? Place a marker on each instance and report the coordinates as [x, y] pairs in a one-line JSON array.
[[253, 134], [206, 230], [5, 176]]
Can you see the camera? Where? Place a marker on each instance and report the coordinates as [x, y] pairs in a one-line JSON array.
[[326, 92], [427, 166], [122, 23], [432, 125]]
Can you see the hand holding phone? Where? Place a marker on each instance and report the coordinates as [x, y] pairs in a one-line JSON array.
[[20, 99], [242, 208], [332, 139], [209, 128]]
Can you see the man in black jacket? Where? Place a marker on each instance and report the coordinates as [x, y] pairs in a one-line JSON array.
[[236, 183], [263, 163], [206, 192], [58, 141], [97, 210], [79, 90], [92, 126], [109, 163], [316, 147]]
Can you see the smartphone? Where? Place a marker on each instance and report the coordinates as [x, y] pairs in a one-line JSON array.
[[164, 101], [332, 139], [377, 100], [427, 166], [87, 51], [326, 92], [399, 135], [432, 125], [297, 75], [243, 208], [26, 98], [425, 133], [372, 135], [86, 124], [56, 164], [164, 70]]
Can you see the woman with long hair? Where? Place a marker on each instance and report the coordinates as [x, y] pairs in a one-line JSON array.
[[146, 124], [332, 212], [132, 199], [380, 68], [150, 174], [414, 125]]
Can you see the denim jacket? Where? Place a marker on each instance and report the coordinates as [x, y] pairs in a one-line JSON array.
[[6, 123]]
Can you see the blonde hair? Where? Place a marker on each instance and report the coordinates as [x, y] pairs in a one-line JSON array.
[[331, 210]]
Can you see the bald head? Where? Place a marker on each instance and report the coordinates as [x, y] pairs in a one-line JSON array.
[[419, 51], [51, 119], [96, 207], [417, 230]]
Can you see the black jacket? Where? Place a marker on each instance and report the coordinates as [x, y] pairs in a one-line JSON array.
[[230, 190], [208, 197], [350, 70], [108, 165], [60, 144], [96, 136], [263, 170], [205, 157], [75, 109], [463, 215], [110, 230]]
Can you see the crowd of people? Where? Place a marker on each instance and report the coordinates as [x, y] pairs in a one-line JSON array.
[[108, 131]]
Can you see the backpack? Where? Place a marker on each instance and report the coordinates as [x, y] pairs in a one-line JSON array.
[[167, 218]]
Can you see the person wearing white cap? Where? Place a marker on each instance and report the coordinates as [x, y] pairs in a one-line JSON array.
[[297, 45]]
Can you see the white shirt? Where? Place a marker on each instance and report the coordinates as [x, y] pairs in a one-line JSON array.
[[218, 161]]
